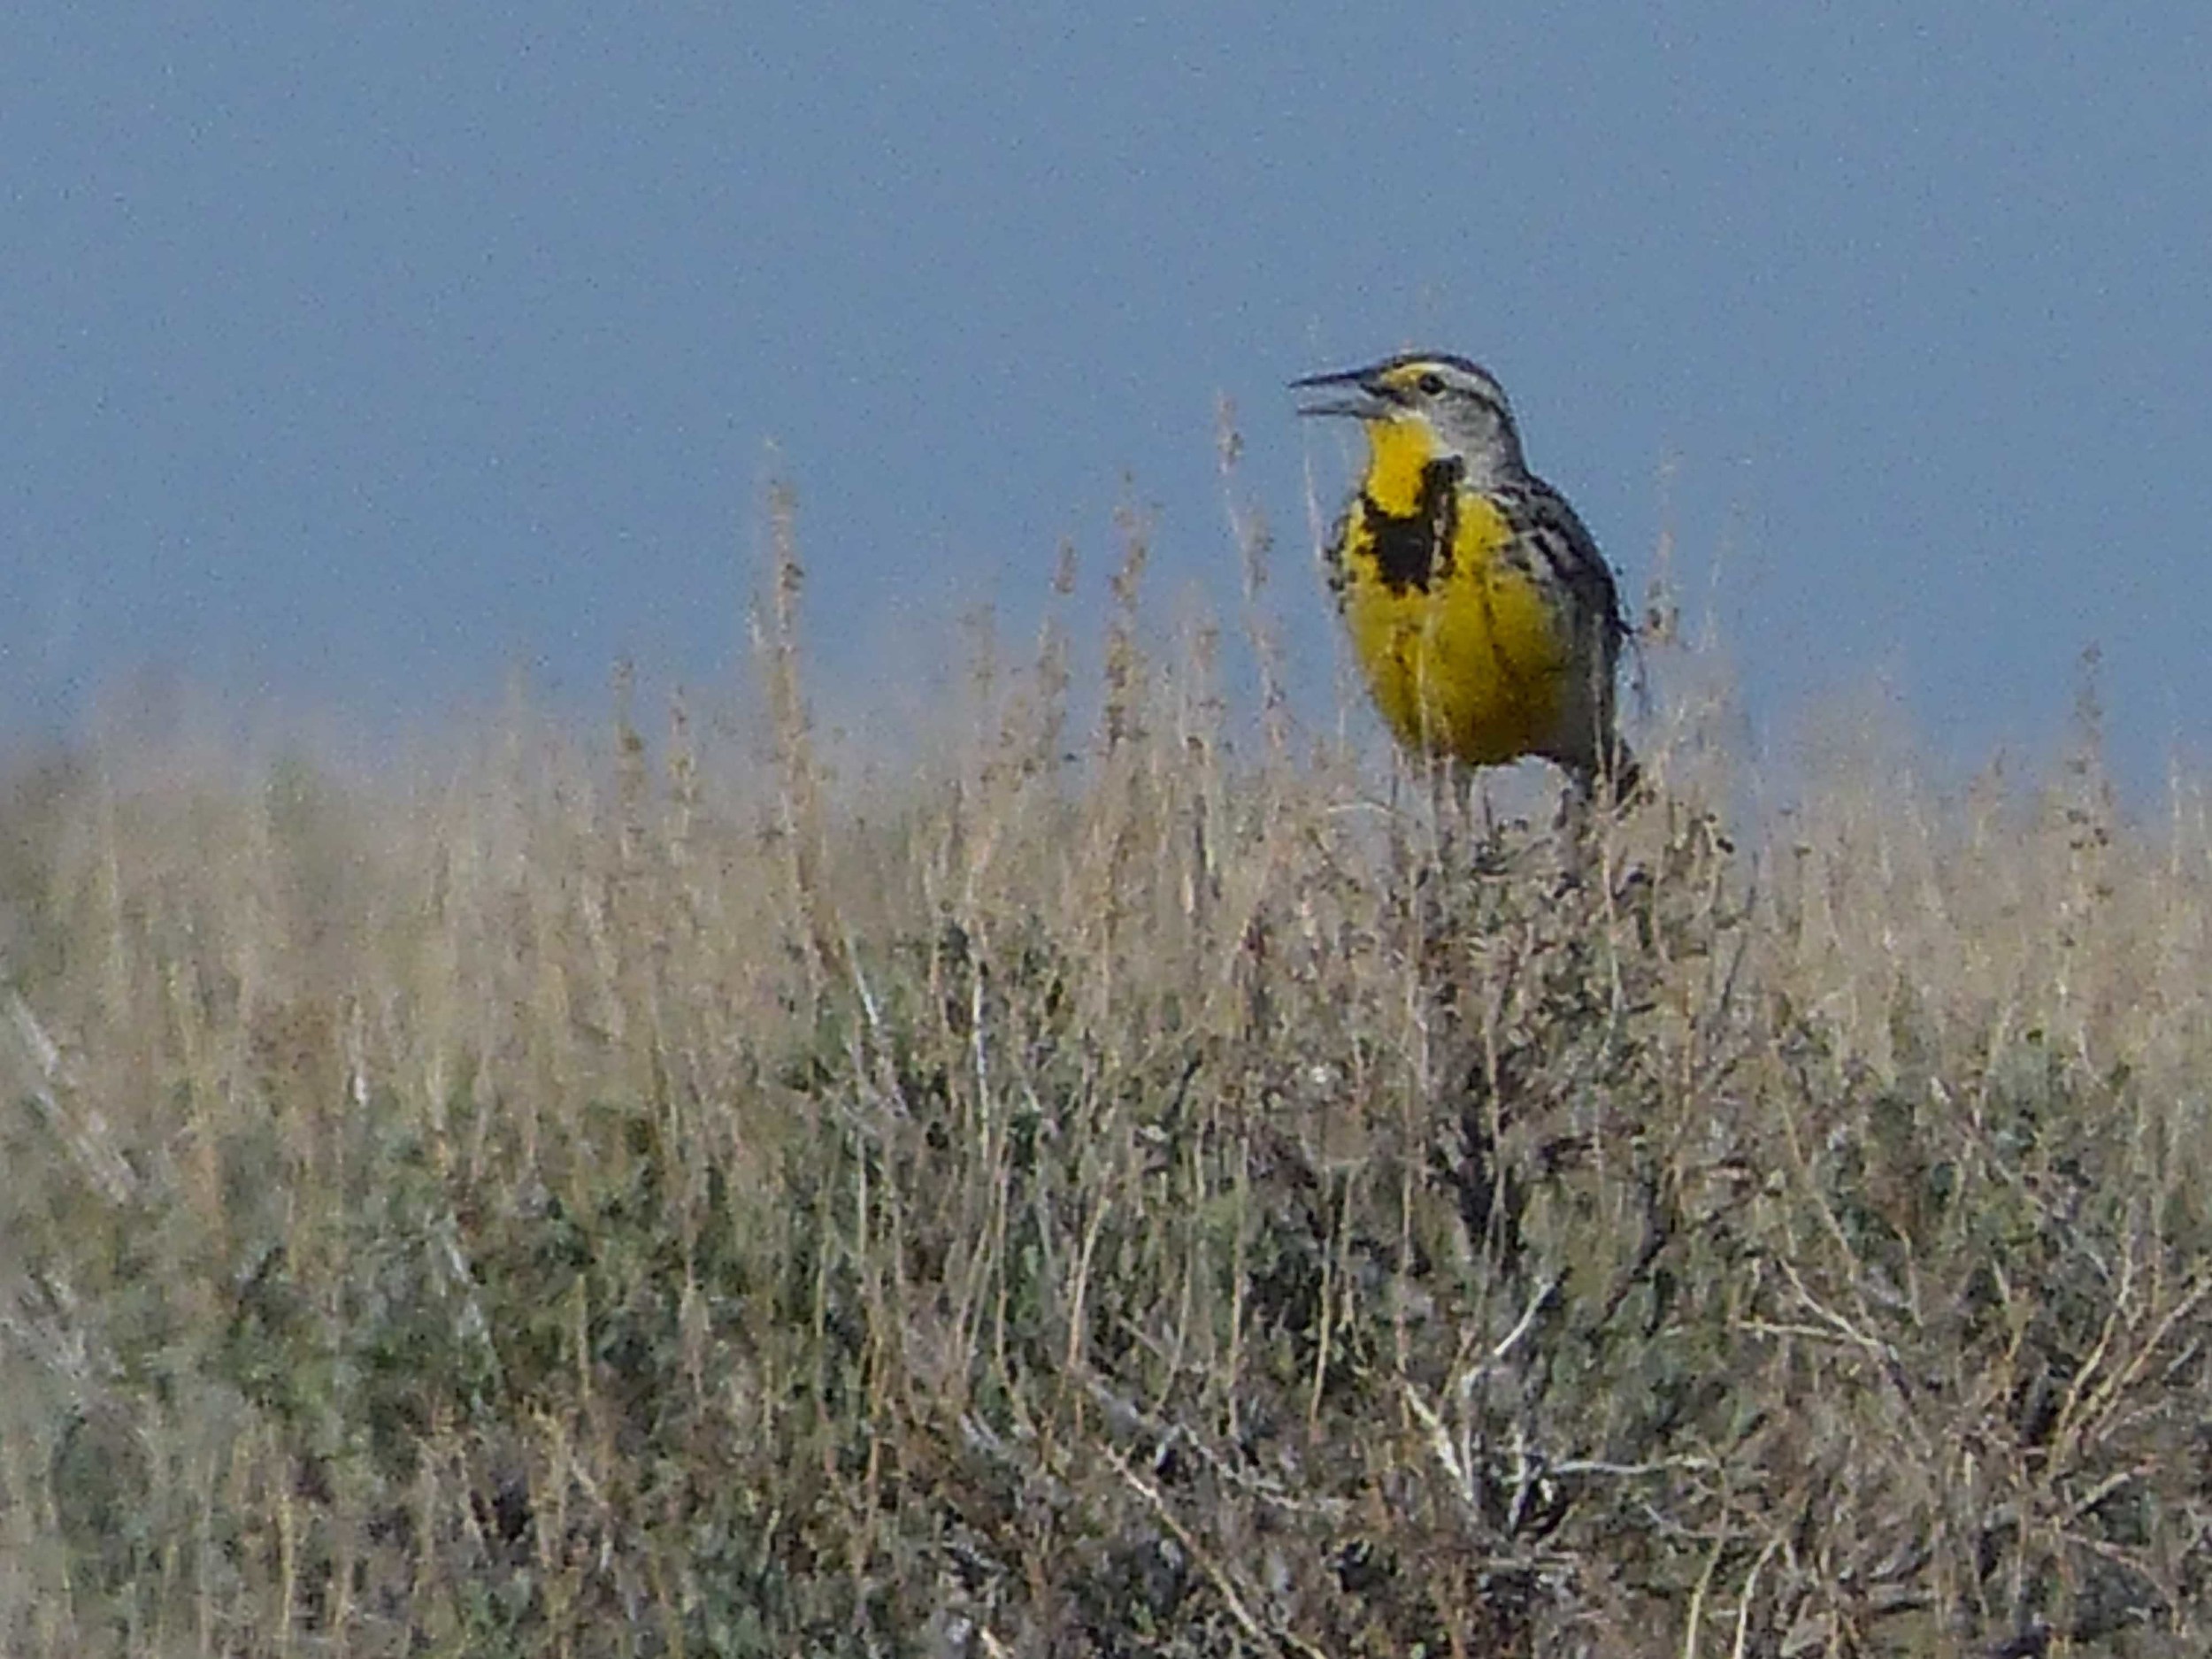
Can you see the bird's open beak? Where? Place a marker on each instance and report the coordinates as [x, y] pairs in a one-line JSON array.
[[1369, 399]]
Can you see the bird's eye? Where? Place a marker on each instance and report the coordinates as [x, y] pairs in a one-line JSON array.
[[1431, 383]]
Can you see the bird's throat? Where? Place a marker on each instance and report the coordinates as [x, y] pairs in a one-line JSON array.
[[1399, 453]]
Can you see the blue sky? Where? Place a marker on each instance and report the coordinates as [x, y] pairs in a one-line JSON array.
[[354, 355]]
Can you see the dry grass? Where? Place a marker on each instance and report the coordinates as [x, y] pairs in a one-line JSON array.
[[1126, 1185]]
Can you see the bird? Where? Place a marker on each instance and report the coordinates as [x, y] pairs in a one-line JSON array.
[[1485, 620]]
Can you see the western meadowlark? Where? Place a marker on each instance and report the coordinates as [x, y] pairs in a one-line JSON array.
[[1482, 614]]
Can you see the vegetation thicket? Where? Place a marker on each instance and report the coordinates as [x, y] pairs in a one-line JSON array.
[[1133, 1182]]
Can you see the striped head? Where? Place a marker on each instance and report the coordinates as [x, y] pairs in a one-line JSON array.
[[1439, 407]]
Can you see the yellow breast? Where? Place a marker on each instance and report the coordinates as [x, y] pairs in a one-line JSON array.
[[1464, 651]]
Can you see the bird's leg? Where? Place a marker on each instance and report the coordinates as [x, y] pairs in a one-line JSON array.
[[1443, 809]]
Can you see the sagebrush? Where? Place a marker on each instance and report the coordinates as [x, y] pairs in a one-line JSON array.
[[1129, 1179]]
